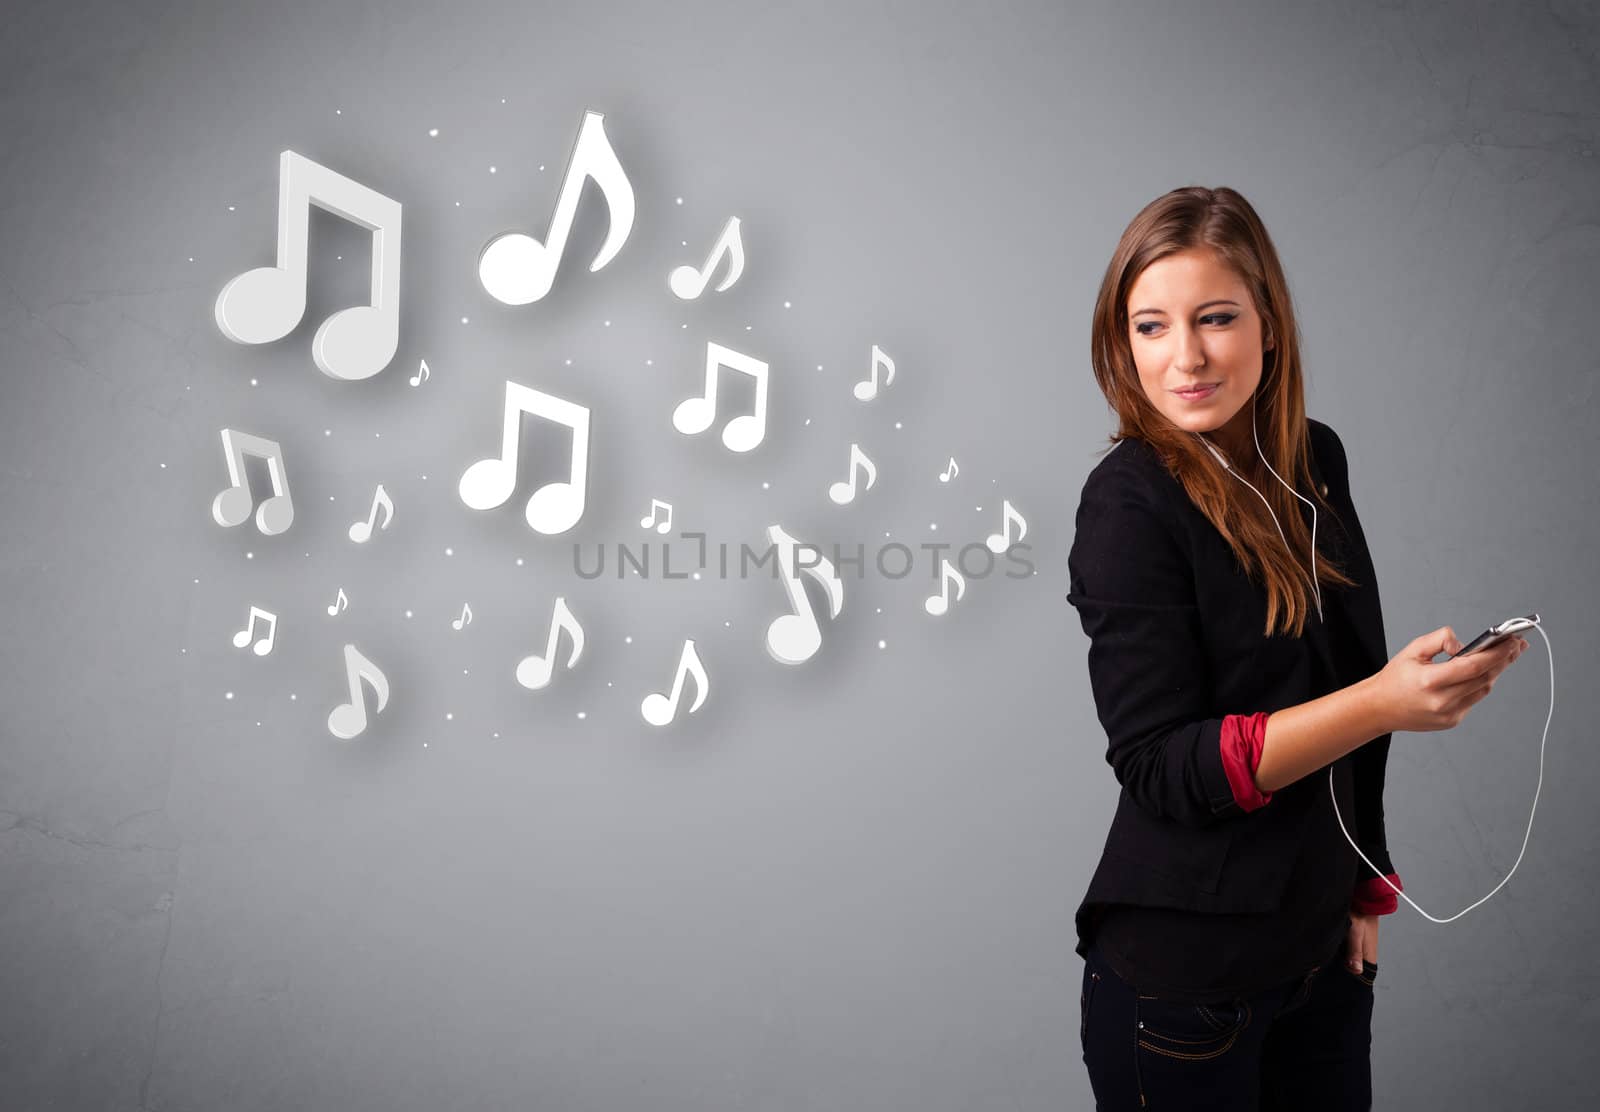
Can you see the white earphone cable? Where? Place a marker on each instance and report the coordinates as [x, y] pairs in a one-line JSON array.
[[1380, 874]]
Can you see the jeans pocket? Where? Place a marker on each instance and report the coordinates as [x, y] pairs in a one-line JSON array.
[[1191, 1031], [1091, 978]]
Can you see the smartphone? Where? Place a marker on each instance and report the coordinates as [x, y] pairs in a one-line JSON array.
[[1496, 634]]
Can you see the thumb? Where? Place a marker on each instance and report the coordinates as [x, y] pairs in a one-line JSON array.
[[1353, 949], [1430, 645]]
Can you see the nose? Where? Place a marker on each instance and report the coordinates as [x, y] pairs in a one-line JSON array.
[[1188, 354]]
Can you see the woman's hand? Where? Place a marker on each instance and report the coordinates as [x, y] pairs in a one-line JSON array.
[[1419, 695], [1363, 945]]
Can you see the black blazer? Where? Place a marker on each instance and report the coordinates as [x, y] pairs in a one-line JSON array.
[[1176, 643]]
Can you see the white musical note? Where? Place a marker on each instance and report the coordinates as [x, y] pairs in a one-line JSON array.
[[533, 672], [939, 603], [465, 619], [1000, 542], [421, 376], [846, 492], [650, 519], [349, 719], [659, 709], [795, 638], [340, 602], [233, 505], [554, 507], [689, 283], [263, 646], [517, 269], [951, 471], [266, 303], [866, 391], [695, 415], [361, 531]]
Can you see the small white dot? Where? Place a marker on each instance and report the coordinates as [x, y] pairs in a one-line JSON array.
[[747, 328], [424, 478], [491, 169], [376, 435], [227, 695], [647, 363], [696, 575], [338, 111], [883, 644], [258, 723], [819, 366], [249, 555], [608, 324], [725, 625], [766, 486], [163, 467], [449, 717], [519, 561], [933, 525], [424, 745], [464, 672], [541, 167], [252, 382], [408, 613], [680, 200], [608, 683], [292, 696], [628, 639], [683, 326], [327, 432], [433, 132], [197, 581], [686, 243], [191, 258], [330, 498], [338, 258], [583, 714], [880, 610], [569, 362], [978, 508], [458, 204], [897, 424], [449, 552], [183, 650], [808, 420], [230, 208], [786, 305], [463, 320], [496, 735], [502, 101]]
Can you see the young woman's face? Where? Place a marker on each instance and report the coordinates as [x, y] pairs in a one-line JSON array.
[[1191, 323]]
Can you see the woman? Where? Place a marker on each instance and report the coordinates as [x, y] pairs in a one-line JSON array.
[[1230, 930]]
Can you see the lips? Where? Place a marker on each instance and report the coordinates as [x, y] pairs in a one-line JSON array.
[[1201, 392]]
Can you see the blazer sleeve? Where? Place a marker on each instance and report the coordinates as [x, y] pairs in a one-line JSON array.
[[1372, 895], [1133, 587]]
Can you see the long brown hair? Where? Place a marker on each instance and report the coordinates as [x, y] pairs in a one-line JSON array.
[[1224, 221]]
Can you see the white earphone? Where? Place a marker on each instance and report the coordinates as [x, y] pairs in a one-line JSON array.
[[1377, 871]]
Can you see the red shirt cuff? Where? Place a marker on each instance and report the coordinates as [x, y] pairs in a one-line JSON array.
[[1242, 738], [1374, 897]]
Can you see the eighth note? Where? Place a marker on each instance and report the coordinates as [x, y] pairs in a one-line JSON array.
[[940, 603], [689, 283], [950, 471], [658, 709], [339, 603], [264, 645], [465, 619], [361, 531], [999, 542], [533, 672], [516, 269], [846, 492], [866, 391], [347, 720], [650, 519], [421, 376]]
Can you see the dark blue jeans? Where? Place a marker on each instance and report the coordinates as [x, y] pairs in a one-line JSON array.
[[1305, 1044]]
